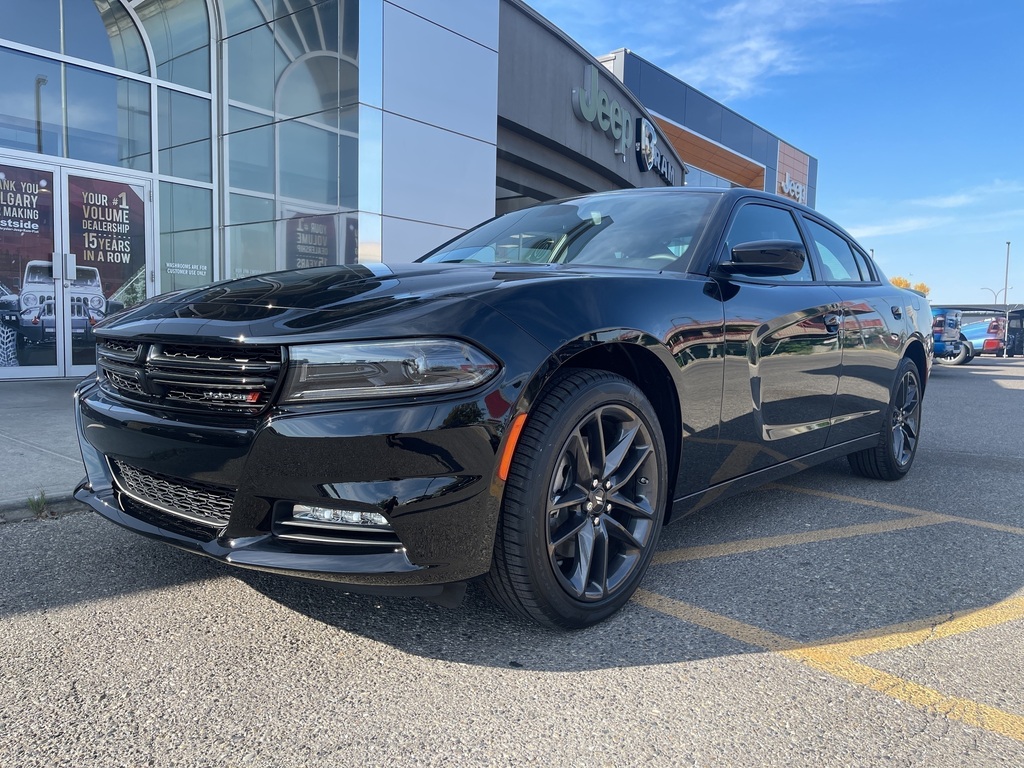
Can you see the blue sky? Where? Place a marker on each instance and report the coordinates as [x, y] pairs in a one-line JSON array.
[[914, 109]]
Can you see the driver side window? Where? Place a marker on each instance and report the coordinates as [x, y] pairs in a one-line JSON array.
[[765, 222]]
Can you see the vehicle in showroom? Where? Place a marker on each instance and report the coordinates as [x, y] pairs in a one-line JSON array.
[[527, 405]]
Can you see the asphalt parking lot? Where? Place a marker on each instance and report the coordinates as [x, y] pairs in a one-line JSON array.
[[824, 620]]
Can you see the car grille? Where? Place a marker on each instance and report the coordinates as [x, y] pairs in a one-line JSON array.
[[227, 379], [204, 504]]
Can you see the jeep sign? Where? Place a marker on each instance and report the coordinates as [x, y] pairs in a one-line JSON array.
[[592, 104]]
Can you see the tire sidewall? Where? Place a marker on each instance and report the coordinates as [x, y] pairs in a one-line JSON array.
[[906, 367], [608, 389]]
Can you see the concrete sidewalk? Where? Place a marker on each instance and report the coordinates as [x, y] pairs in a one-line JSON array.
[[38, 445]]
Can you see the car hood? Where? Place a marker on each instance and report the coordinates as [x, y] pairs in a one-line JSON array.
[[368, 299]]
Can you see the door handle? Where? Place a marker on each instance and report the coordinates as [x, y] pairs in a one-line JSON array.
[[897, 312], [831, 322]]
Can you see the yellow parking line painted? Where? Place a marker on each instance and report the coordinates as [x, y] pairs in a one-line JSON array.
[[723, 625], [965, 711], [849, 499], [897, 508], [808, 537], [836, 660], [925, 631]]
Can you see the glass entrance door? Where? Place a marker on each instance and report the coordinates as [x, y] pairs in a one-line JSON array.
[[73, 249], [105, 254]]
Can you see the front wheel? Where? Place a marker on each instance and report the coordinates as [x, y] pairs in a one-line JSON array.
[[892, 458], [584, 502]]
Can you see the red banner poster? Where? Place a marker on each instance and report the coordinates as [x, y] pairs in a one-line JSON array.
[[26, 251]]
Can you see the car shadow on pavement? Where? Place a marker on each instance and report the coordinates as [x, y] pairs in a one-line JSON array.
[[79, 558], [747, 560]]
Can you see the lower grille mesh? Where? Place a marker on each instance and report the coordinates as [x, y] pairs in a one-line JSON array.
[[202, 504]]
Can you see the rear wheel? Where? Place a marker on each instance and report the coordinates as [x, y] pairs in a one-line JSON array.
[[892, 458], [584, 502], [959, 358]]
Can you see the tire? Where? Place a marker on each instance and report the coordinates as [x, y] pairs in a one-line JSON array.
[[584, 502], [8, 347], [1000, 352], [892, 458], [970, 350], [959, 358]]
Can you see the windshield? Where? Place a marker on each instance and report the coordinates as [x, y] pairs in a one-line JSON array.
[[39, 273], [86, 277], [641, 231]]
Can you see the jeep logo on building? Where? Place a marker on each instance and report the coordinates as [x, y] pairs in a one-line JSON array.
[[592, 104]]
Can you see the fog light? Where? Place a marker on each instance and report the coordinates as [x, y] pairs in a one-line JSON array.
[[342, 516]]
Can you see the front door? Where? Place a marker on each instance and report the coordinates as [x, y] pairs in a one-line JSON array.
[[74, 247]]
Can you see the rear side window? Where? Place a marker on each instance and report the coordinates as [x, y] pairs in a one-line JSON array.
[[837, 256], [755, 222]]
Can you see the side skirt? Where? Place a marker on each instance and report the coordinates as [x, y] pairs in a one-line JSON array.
[[687, 505]]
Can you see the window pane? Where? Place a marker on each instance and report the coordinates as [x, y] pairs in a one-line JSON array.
[[31, 116], [184, 135], [240, 15], [310, 30], [40, 28], [108, 119], [310, 86], [246, 209], [104, 33], [252, 249], [179, 31], [251, 159], [308, 163], [251, 68], [864, 265], [765, 222], [183, 207], [186, 236], [835, 253]]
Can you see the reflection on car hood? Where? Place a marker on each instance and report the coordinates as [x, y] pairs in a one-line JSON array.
[[318, 299]]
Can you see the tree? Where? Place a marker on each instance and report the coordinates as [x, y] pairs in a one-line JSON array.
[[922, 288], [900, 282]]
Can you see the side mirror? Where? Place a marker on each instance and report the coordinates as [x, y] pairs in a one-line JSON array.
[[764, 258]]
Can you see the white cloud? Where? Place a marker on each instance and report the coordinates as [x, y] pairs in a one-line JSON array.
[[729, 50], [898, 226], [996, 188]]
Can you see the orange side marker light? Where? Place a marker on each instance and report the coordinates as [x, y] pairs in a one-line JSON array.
[[510, 445]]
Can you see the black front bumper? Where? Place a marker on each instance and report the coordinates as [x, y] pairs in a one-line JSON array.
[[428, 467]]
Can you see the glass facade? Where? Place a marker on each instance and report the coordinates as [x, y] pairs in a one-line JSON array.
[[291, 133], [253, 162]]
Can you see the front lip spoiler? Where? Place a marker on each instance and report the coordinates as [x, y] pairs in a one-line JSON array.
[[365, 574]]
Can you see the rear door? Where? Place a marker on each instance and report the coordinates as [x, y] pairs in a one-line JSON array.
[[873, 333]]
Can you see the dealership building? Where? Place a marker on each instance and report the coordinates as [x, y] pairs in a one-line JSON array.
[[154, 145]]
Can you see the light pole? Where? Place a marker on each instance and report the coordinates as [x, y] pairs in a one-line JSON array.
[[995, 295], [1006, 296]]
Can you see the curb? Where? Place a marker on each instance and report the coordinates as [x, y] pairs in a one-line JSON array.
[[58, 506]]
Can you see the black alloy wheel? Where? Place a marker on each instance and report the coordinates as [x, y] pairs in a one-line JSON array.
[[892, 458], [584, 503]]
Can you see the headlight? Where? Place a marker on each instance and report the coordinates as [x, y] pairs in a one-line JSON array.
[[96, 302], [29, 299], [352, 370]]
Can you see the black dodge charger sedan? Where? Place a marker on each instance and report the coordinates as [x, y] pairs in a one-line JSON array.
[[528, 404]]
